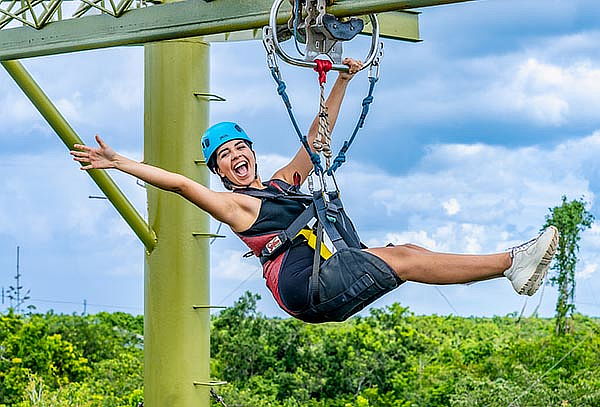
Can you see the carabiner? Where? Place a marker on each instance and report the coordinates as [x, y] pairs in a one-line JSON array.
[[374, 67]]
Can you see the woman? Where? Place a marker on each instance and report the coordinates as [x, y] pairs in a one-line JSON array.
[[351, 278]]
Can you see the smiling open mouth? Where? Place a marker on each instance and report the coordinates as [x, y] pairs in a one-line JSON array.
[[241, 169]]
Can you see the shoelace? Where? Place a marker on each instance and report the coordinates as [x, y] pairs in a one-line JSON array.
[[522, 246]]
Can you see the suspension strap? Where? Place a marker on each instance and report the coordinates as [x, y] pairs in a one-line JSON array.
[[322, 141], [314, 157], [316, 268], [366, 103]]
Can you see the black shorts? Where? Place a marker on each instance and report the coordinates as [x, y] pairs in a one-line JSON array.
[[349, 280]]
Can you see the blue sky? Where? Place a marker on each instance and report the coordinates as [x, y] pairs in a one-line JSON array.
[[474, 133]]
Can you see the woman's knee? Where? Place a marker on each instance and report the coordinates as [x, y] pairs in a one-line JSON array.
[[401, 258]]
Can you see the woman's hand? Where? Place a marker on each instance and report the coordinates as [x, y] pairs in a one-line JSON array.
[[97, 158], [353, 65]]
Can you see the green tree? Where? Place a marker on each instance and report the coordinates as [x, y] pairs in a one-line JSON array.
[[571, 218]]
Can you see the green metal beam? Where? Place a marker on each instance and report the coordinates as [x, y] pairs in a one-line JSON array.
[[169, 21], [396, 25], [69, 137]]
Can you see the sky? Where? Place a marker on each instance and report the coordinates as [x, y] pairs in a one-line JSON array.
[[473, 135]]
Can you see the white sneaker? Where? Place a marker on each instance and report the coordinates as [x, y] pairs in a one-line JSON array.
[[531, 260]]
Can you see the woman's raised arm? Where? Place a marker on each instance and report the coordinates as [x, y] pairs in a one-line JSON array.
[[223, 206], [301, 163]]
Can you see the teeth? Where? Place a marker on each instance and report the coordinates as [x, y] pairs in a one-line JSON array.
[[240, 164]]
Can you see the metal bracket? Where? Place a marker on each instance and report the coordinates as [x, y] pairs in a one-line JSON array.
[[206, 235], [210, 96], [200, 162], [210, 383], [208, 306]]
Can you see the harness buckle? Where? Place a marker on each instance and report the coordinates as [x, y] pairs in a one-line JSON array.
[[273, 245]]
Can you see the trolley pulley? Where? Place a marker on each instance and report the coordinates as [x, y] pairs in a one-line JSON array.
[[321, 33]]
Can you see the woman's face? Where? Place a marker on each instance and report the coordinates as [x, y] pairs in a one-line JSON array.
[[237, 162]]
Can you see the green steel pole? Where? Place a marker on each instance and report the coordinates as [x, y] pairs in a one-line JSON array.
[[69, 137], [176, 334]]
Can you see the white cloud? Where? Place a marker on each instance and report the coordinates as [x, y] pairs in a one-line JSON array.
[[547, 93], [134, 269], [552, 82], [493, 197], [45, 195], [418, 237], [451, 206], [71, 107], [106, 103], [231, 264], [587, 271]]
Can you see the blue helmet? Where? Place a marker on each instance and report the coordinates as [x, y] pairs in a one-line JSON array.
[[219, 134]]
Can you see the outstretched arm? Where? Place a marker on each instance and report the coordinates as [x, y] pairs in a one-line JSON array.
[[301, 163], [223, 206]]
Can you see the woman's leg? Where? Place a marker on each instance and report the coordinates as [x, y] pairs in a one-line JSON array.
[[525, 266], [414, 263]]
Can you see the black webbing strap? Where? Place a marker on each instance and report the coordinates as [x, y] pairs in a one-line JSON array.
[[260, 193], [343, 223], [336, 223], [327, 218], [314, 277]]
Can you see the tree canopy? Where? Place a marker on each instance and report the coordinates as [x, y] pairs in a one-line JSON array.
[[389, 358]]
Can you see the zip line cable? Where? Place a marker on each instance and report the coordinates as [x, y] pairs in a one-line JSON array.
[[523, 309], [537, 307], [446, 298], [216, 233], [238, 286]]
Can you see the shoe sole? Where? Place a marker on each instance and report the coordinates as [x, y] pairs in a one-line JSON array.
[[536, 279]]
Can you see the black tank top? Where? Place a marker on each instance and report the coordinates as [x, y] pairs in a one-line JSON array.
[[297, 265]]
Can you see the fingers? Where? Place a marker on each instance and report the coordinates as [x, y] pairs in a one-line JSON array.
[[84, 160], [79, 154], [354, 65], [82, 147], [100, 142], [82, 153], [81, 159]]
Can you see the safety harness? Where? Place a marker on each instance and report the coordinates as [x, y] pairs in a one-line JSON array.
[[325, 215], [328, 216]]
